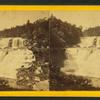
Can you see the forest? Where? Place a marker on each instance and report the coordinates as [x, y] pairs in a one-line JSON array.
[[92, 31]]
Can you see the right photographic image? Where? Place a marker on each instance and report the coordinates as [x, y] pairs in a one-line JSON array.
[[74, 50]]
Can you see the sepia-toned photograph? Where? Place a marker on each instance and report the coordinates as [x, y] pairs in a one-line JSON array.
[[24, 50], [49, 50], [75, 45]]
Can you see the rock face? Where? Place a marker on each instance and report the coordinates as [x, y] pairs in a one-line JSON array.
[[84, 59], [13, 54]]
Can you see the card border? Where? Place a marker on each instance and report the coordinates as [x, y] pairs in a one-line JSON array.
[[50, 93]]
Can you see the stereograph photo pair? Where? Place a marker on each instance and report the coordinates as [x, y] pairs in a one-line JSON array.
[[49, 50]]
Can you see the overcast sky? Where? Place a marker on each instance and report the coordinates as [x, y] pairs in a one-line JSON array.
[[85, 18], [12, 18]]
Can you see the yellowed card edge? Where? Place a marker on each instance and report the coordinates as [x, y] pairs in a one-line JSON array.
[[50, 93]]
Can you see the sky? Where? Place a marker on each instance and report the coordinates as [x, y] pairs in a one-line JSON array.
[[86, 19], [10, 19]]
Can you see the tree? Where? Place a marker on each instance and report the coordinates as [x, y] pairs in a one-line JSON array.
[[62, 35], [92, 31]]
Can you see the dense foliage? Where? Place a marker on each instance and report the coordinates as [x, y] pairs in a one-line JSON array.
[[72, 82], [95, 31], [18, 31], [62, 35]]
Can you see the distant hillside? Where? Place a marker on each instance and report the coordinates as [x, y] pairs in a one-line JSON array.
[[18, 31], [94, 31]]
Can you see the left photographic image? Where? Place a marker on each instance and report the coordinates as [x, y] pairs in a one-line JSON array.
[[24, 50]]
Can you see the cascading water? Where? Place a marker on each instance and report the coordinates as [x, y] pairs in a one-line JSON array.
[[84, 60], [11, 42], [13, 54]]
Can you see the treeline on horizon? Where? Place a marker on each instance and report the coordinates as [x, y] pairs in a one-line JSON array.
[[92, 31], [25, 29]]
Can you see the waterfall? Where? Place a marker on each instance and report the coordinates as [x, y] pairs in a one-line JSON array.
[[11, 43], [84, 60], [17, 43], [13, 54]]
